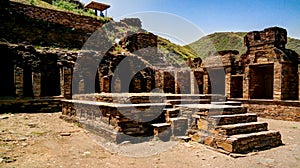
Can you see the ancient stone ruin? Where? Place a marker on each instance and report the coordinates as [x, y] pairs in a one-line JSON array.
[[215, 101]]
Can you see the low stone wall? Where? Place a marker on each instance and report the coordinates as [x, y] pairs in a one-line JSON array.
[[280, 110], [30, 106]]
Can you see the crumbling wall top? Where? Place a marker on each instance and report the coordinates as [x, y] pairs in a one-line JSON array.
[[223, 58], [273, 36]]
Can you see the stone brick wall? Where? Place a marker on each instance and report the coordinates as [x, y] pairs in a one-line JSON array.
[[289, 82], [30, 106], [35, 73], [68, 19], [280, 110], [45, 27]]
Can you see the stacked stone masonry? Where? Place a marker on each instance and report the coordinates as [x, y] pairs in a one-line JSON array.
[[45, 27]]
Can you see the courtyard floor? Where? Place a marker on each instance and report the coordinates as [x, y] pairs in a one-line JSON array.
[[44, 140]]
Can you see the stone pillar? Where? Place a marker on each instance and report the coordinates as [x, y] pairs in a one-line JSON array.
[[205, 84], [159, 79], [227, 84], [246, 82], [67, 77], [36, 84], [277, 81], [61, 80], [177, 82], [148, 84], [19, 82], [105, 84], [118, 85], [81, 87], [192, 82]]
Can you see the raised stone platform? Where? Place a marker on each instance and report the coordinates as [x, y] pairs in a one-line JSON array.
[[219, 124]]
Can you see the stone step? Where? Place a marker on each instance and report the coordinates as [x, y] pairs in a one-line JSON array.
[[233, 118], [210, 123], [241, 128], [211, 109], [188, 101], [161, 125], [162, 131], [179, 125], [226, 110], [170, 113], [169, 105], [231, 103], [243, 143], [182, 138]]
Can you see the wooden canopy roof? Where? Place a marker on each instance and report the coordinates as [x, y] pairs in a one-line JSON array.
[[97, 5]]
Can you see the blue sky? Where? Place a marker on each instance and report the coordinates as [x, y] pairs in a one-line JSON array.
[[219, 15]]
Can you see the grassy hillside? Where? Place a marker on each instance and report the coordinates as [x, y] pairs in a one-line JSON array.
[[175, 53], [230, 41]]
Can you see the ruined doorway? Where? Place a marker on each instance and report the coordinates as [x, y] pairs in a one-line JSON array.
[[50, 77], [169, 82], [7, 88], [199, 81], [143, 81], [236, 87], [261, 81]]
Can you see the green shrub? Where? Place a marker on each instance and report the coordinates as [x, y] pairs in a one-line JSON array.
[[65, 5], [31, 2]]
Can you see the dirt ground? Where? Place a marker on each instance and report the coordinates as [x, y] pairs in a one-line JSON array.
[[44, 140]]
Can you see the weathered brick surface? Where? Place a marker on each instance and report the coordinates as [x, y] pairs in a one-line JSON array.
[[30, 106], [282, 110]]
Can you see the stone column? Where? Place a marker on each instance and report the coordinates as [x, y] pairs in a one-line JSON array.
[[19, 82], [227, 84], [148, 84], [36, 84], [277, 81], [67, 77], [246, 82], [105, 84], [81, 89], [159, 80], [177, 82], [61, 79], [118, 85], [192, 82], [205, 84]]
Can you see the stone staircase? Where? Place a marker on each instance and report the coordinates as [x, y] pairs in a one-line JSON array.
[[233, 129], [220, 124]]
